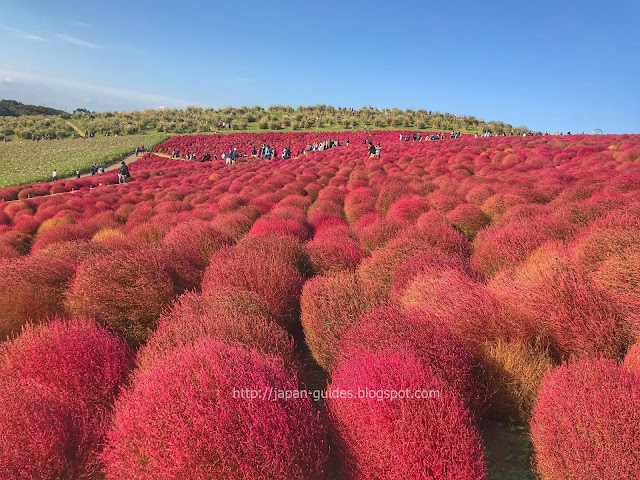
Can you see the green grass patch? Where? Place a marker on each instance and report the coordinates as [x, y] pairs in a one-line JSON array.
[[27, 161]]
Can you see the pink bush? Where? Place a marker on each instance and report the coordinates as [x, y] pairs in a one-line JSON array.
[[230, 316], [425, 337], [76, 356], [468, 308], [214, 433], [46, 433], [265, 269], [505, 247], [334, 254], [407, 210], [282, 226], [585, 422], [198, 235], [429, 437]]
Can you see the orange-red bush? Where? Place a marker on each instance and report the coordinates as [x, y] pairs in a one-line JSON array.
[[330, 304], [125, 291], [33, 289]]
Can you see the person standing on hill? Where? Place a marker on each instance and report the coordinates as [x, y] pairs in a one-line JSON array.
[[378, 150], [54, 175], [372, 150], [123, 173]]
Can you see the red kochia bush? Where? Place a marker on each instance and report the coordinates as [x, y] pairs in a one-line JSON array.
[[183, 419], [45, 433], [32, 290], [468, 218], [76, 356], [262, 268], [330, 304], [435, 230], [507, 246], [619, 277], [126, 291], [407, 210], [334, 254], [429, 437], [425, 337], [267, 226], [197, 235], [230, 316], [632, 358], [549, 293], [468, 308], [585, 422]]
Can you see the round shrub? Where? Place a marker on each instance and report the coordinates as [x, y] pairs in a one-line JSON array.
[[214, 433], [442, 236], [125, 291], [75, 356], [267, 226], [619, 277], [197, 235], [468, 218], [407, 210], [404, 273], [230, 316], [45, 432], [549, 293], [585, 422], [334, 254], [330, 304], [598, 242], [374, 231], [430, 437], [426, 338], [376, 272], [63, 232], [507, 246], [261, 269], [468, 308], [33, 290], [512, 372], [632, 358]]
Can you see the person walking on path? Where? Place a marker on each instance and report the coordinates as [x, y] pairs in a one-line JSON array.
[[123, 173]]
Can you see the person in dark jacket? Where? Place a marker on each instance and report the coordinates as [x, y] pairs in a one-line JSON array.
[[123, 173]]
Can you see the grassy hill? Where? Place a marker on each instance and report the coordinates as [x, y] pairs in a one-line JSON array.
[[12, 108]]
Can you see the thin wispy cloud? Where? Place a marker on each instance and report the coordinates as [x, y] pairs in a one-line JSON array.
[[22, 33], [77, 41], [244, 79], [81, 24], [86, 93]]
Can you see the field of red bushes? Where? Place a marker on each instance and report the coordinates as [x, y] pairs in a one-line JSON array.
[[150, 330]]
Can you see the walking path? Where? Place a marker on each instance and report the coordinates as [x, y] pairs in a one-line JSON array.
[[80, 132]]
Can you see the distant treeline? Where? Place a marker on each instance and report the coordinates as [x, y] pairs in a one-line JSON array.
[[11, 108], [252, 119]]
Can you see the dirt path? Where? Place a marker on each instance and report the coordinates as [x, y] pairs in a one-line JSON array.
[[80, 132], [128, 160]]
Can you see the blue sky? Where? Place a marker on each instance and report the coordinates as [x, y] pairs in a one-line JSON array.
[[549, 65]]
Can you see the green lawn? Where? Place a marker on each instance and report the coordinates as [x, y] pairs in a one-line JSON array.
[[26, 161]]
